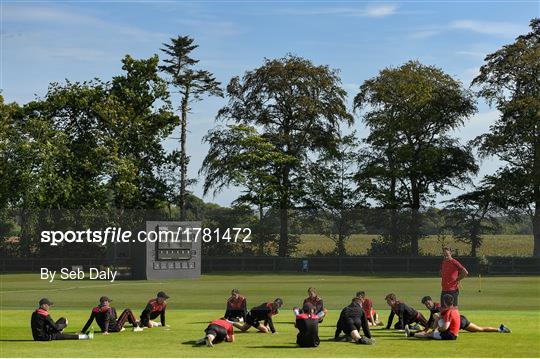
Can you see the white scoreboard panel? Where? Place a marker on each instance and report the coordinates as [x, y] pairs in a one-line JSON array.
[[171, 252]]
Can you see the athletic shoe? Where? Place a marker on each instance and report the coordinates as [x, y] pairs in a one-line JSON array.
[[122, 329], [407, 331], [208, 343], [201, 341], [155, 324], [503, 329], [366, 341], [137, 329]]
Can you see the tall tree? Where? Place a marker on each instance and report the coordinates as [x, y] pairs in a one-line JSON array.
[[240, 156], [471, 215], [332, 197], [298, 107], [410, 112], [138, 117], [510, 79], [191, 84]]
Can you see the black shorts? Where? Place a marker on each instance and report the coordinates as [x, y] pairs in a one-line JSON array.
[[253, 320], [448, 335], [464, 322], [351, 324], [217, 331], [453, 293]]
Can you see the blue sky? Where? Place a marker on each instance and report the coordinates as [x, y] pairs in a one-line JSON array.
[[47, 41]]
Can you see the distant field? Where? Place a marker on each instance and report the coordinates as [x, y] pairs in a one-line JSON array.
[[358, 244], [193, 303]]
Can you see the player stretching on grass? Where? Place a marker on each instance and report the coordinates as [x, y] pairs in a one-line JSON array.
[[447, 327], [307, 324], [316, 302], [236, 307], [155, 308], [44, 328], [351, 319], [406, 314], [452, 272], [217, 331], [105, 317], [263, 312], [371, 315], [435, 310]]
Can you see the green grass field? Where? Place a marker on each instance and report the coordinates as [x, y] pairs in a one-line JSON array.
[[511, 300], [358, 244]]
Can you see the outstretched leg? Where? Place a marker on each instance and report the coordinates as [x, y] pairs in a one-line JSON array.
[[476, 328]]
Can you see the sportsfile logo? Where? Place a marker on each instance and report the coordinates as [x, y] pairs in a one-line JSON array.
[[118, 235]]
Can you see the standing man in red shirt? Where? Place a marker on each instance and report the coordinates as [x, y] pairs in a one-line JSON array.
[[452, 272]]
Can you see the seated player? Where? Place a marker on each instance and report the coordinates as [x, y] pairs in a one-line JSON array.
[[435, 309], [105, 317], [155, 308], [236, 307], [317, 303], [263, 312], [351, 319], [406, 314], [44, 328], [371, 314], [447, 327], [307, 324], [217, 331]]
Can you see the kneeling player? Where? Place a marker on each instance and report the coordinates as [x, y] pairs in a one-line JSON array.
[[351, 319], [263, 312], [236, 307], [155, 308], [316, 302], [217, 331], [44, 328], [435, 309], [307, 324], [406, 314], [447, 327], [367, 304], [105, 317]]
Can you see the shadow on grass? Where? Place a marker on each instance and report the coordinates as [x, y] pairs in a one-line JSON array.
[[291, 346], [16, 340]]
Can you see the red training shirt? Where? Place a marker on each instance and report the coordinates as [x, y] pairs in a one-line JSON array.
[[225, 324], [452, 315], [449, 273]]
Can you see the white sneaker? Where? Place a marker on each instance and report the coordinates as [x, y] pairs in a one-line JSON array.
[[121, 330], [407, 331], [155, 324], [209, 343], [137, 329]]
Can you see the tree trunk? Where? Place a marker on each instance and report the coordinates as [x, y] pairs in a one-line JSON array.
[[536, 192], [183, 157], [415, 218], [283, 249], [261, 234]]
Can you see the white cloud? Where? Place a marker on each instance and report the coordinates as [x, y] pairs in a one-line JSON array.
[[374, 11], [424, 34], [505, 29], [380, 10]]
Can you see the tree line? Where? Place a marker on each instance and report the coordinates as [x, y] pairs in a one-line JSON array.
[[285, 138]]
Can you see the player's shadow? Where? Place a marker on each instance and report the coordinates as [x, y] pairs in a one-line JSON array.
[[16, 340], [291, 346], [192, 343]]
